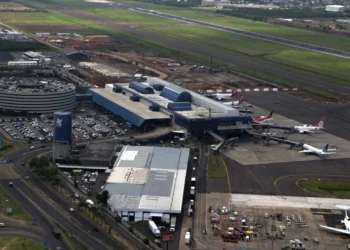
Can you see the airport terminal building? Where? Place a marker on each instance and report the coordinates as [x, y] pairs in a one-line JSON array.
[[161, 102], [148, 182]]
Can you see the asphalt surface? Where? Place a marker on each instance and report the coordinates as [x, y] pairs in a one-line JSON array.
[[281, 178], [337, 116], [44, 235], [241, 60], [251, 34], [71, 221]]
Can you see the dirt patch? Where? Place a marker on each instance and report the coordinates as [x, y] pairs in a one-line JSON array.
[[10, 6], [33, 28]]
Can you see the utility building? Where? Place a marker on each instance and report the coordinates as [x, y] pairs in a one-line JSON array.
[[148, 183]]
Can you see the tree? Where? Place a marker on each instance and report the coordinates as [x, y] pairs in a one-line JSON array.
[[103, 197], [39, 162], [47, 173]]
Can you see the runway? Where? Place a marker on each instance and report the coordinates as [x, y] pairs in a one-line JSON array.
[[244, 61], [255, 35]]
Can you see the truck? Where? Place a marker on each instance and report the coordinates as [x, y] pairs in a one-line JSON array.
[[188, 238], [172, 223], [153, 227], [56, 232], [193, 191], [90, 203]]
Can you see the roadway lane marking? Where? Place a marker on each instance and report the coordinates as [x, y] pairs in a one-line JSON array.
[[228, 177]]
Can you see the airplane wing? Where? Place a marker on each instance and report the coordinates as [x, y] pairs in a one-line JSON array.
[[343, 231], [306, 151], [329, 153]]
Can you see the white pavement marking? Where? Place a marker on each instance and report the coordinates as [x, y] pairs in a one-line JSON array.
[[286, 201]]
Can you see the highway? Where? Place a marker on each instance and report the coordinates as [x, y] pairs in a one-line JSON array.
[[284, 41], [71, 221]]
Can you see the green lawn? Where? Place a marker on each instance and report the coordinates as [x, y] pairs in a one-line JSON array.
[[302, 60], [313, 37], [220, 39], [6, 201], [216, 166], [53, 21], [10, 243], [328, 188], [10, 149], [128, 16]]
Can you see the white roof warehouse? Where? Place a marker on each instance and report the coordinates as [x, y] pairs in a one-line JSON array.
[[148, 182]]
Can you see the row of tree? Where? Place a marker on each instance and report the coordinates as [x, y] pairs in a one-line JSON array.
[[42, 166]]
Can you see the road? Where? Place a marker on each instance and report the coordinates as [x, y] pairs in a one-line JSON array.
[[274, 39], [71, 221], [241, 60]]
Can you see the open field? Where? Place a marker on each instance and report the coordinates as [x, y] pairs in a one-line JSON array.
[[317, 38], [216, 166], [52, 21], [5, 6], [9, 149], [129, 17], [296, 58], [327, 188], [6, 201], [9, 243]]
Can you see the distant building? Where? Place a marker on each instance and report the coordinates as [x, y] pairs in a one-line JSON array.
[[335, 8], [23, 63], [14, 35], [347, 21], [98, 154], [74, 54], [33, 55]]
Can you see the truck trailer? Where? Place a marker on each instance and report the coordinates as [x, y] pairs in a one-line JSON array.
[[172, 223], [153, 227]]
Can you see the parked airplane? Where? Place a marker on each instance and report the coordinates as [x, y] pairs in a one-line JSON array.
[[307, 149], [307, 128], [264, 120], [346, 222], [225, 96], [235, 104]]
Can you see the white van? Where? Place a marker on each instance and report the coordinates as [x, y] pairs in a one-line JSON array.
[[2, 224]]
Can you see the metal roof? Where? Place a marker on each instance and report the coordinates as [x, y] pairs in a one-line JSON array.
[[148, 179]]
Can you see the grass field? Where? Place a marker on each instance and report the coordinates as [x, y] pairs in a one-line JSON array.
[[129, 17], [327, 188], [321, 64], [10, 149], [19, 213], [9, 243], [216, 166], [52, 21], [244, 24]]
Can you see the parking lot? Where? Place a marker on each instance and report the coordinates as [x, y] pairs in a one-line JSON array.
[[83, 127], [89, 182]]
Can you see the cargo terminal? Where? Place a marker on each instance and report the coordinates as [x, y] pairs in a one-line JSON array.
[[160, 102], [143, 187]]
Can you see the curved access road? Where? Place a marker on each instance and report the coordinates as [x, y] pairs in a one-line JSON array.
[[31, 198]]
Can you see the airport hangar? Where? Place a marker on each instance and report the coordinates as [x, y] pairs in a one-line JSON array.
[[148, 183], [160, 102]]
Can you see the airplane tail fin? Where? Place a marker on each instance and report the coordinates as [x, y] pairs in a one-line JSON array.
[[270, 115], [320, 124], [241, 100], [234, 93], [325, 148]]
